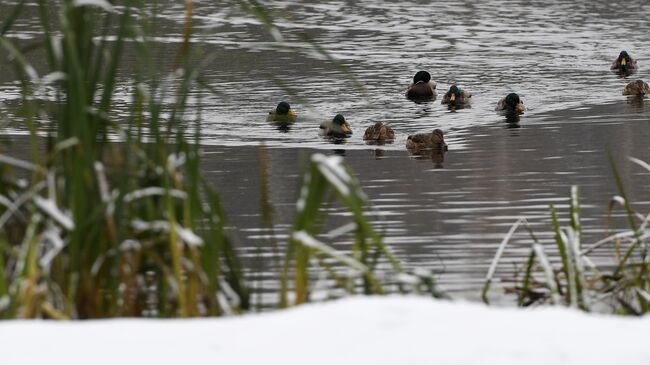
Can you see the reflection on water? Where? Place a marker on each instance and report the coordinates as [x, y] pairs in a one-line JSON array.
[[444, 212], [555, 54]]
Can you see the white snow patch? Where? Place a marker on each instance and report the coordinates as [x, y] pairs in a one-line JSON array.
[[309, 241], [332, 169], [99, 3], [185, 234], [50, 208], [151, 191], [361, 330]]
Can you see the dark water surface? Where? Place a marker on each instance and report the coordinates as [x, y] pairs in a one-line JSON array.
[[446, 215], [450, 216]]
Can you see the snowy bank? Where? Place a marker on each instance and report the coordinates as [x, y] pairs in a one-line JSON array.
[[362, 330]]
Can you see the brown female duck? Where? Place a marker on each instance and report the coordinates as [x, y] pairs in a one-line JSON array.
[[426, 141], [379, 132], [637, 88]]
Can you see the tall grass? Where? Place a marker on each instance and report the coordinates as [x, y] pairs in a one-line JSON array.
[[305, 249], [94, 215], [113, 216], [623, 287]]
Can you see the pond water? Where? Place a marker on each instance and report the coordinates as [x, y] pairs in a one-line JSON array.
[[447, 215]]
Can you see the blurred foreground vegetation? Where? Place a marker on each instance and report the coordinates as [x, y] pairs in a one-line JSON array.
[[112, 215]]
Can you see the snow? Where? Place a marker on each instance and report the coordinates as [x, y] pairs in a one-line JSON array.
[[185, 234], [309, 241], [99, 3], [359, 330], [332, 169]]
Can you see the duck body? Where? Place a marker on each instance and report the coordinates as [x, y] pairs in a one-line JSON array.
[[455, 96], [379, 132], [336, 128], [637, 88], [426, 141], [282, 114], [624, 64], [511, 104], [422, 87]]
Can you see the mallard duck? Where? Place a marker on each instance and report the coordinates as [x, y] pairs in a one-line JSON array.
[[511, 103], [426, 141], [282, 114], [624, 63], [456, 97], [337, 127], [637, 87], [379, 132], [422, 87]]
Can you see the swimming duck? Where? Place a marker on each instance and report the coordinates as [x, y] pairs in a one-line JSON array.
[[624, 63], [379, 132], [426, 141], [511, 103], [422, 87], [637, 87], [282, 114], [337, 127], [456, 97]]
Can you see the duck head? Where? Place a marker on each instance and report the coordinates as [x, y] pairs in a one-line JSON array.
[[624, 60], [282, 108], [624, 57], [421, 77], [641, 86], [438, 136], [512, 100], [339, 120], [453, 94]]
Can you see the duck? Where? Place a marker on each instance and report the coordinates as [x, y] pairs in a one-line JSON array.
[[456, 96], [511, 103], [422, 87], [637, 88], [624, 63], [379, 132], [282, 114], [337, 127], [426, 141]]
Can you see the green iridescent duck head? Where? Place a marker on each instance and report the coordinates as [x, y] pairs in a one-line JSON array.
[[512, 100], [282, 108]]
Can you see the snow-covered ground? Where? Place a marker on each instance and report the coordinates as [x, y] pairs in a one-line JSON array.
[[361, 330]]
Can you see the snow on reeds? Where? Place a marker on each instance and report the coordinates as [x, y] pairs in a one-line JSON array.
[[577, 281]]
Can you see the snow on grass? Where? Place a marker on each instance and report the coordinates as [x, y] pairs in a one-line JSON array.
[[361, 330]]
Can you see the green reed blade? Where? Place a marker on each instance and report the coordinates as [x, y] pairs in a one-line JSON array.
[[567, 266], [628, 211], [525, 288]]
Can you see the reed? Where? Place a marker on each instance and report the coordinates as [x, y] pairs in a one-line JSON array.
[[112, 216], [328, 175], [621, 288], [95, 215]]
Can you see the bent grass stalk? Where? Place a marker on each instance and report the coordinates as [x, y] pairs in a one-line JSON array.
[[579, 282]]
